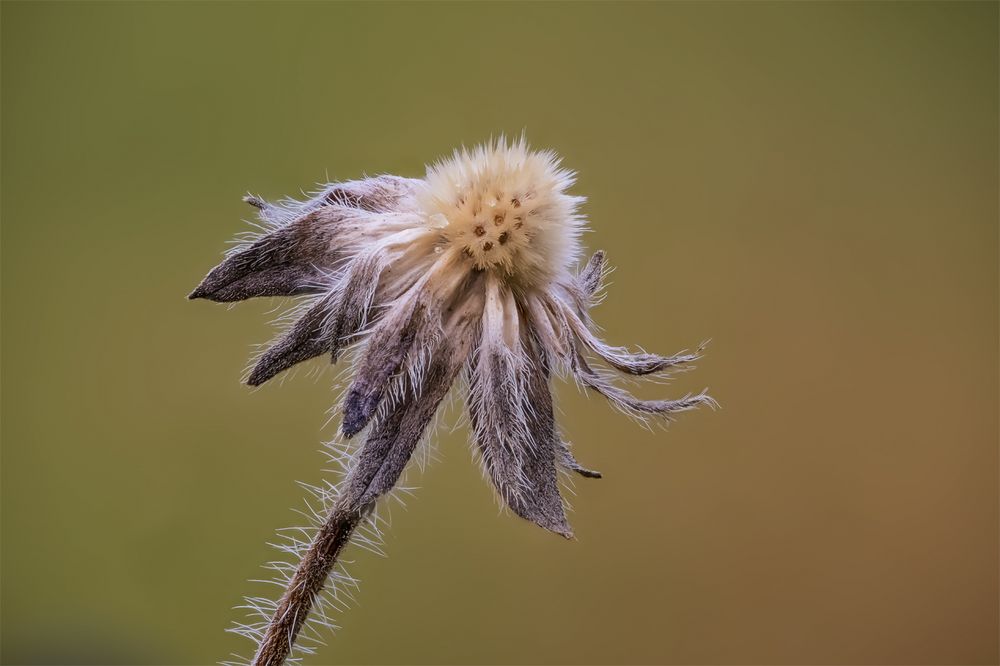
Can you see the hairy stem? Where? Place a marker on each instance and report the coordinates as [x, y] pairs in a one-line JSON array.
[[307, 583]]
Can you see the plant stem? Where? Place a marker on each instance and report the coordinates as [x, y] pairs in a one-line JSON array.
[[306, 584]]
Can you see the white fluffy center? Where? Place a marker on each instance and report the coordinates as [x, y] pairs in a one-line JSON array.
[[506, 208]]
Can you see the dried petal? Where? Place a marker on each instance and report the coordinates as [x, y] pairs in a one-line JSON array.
[[393, 438], [521, 461], [330, 325], [285, 262], [510, 408], [628, 403], [619, 358], [307, 338], [543, 504], [294, 257], [638, 364], [357, 297], [387, 348], [380, 194], [417, 313]]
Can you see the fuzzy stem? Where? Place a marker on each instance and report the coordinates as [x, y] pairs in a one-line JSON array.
[[307, 583]]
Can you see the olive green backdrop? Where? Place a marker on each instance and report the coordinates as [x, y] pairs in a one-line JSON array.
[[813, 186]]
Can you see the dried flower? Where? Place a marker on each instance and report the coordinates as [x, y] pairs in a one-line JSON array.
[[468, 270]]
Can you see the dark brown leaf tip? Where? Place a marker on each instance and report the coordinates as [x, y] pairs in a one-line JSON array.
[[359, 406], [199, 292]]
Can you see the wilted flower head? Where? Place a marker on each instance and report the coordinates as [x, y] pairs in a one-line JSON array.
[[470, 271]]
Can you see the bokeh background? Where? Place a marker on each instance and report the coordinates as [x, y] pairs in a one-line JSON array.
[[813, 186]]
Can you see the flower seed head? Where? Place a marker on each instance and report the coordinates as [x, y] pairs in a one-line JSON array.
[[470, 273], [468, 277], [507, 209]]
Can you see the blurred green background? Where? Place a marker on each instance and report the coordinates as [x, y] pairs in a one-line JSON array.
[[814, 186]]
